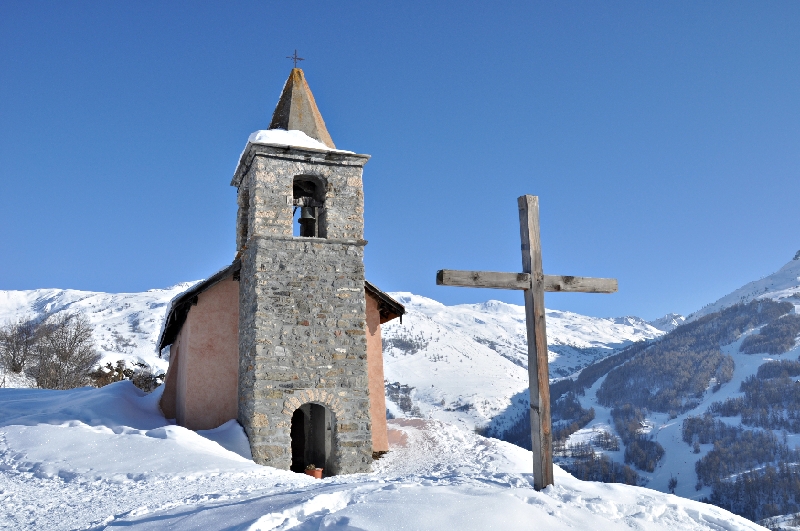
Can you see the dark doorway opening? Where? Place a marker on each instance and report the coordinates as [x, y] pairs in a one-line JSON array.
[[298, 434], [312, 436]]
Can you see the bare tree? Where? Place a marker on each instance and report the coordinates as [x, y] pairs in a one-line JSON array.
[[65, 352], [17, 343]]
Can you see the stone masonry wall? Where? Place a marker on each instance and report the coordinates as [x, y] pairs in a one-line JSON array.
[[302, 332]]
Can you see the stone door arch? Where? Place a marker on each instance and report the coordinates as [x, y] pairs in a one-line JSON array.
[[312, 440], [307, 402]]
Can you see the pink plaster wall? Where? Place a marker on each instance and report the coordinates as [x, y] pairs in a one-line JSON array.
[[377, 398], [201, 386], [206, 374]]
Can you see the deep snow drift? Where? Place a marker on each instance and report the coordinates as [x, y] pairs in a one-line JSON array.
[[97, 458]]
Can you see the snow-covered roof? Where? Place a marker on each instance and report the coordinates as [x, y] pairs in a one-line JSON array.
[[292, 138]]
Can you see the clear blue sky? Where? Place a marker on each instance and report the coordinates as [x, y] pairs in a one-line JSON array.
[[662, 138]]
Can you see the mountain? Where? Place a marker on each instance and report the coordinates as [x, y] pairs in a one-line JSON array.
[[466, 366], [708, 410], [468, 363], [669, 322], [126, 325], [463, 363], [783, 284]]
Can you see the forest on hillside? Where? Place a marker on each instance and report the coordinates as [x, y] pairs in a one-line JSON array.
[[771, 398], [673, 373], [751, 472]]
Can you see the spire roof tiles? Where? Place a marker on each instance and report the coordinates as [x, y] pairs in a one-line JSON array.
[[297, 110]]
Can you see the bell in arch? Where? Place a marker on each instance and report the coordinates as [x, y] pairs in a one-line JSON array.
[[307, 213], [308, 222]]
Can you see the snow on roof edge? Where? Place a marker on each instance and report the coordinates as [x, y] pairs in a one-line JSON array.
[[283, 138]]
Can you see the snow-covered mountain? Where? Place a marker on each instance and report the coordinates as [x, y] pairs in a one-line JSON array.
[[669, 322], [462, 363], [679, 460], [783, 284], [467, 362], [126, 325]]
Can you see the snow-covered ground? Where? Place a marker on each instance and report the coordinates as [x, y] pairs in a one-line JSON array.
[[104, 458]]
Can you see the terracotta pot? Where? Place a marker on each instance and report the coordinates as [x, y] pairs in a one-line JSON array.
[[316, 472]]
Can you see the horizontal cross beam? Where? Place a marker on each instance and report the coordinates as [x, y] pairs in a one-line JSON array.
[[522, 281]]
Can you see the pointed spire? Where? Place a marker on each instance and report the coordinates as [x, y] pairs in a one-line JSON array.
[[297, 110]]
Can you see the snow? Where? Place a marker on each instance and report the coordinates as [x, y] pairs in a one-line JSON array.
[[292, 138], [468, 363], [669, 322], [105, 458]]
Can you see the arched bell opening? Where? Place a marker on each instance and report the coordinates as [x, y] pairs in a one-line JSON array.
[[312, 438], [308, 193]]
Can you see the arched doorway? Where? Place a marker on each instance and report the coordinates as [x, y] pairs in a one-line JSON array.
[[312, 435]]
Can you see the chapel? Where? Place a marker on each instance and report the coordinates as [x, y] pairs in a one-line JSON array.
[[287, 338]]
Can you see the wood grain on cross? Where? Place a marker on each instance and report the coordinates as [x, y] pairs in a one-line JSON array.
[[534, 283]]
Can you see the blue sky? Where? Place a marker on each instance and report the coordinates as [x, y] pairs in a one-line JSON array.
[[662, 138]]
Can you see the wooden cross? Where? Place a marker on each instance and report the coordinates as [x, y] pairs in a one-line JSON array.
[[534, 282], [295, 58]]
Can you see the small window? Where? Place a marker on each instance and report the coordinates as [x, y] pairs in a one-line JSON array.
[[309, 211]]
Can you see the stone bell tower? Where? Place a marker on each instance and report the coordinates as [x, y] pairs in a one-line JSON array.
[[302, 330]]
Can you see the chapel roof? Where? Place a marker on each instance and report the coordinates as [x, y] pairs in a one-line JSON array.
[[297, 110], [180, 305]]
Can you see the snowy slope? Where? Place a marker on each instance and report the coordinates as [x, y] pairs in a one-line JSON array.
[[783, 284], [106, 458], [467, 362], [572, 338], [126, 325], [669, 322], [679, 460]]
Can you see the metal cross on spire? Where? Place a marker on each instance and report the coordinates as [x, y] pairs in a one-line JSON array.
[[295, 58]]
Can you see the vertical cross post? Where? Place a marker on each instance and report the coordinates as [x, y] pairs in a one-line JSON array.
[[534, 283], [538, 373]]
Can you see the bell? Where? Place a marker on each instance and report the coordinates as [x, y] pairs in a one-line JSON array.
[[307, 213]]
